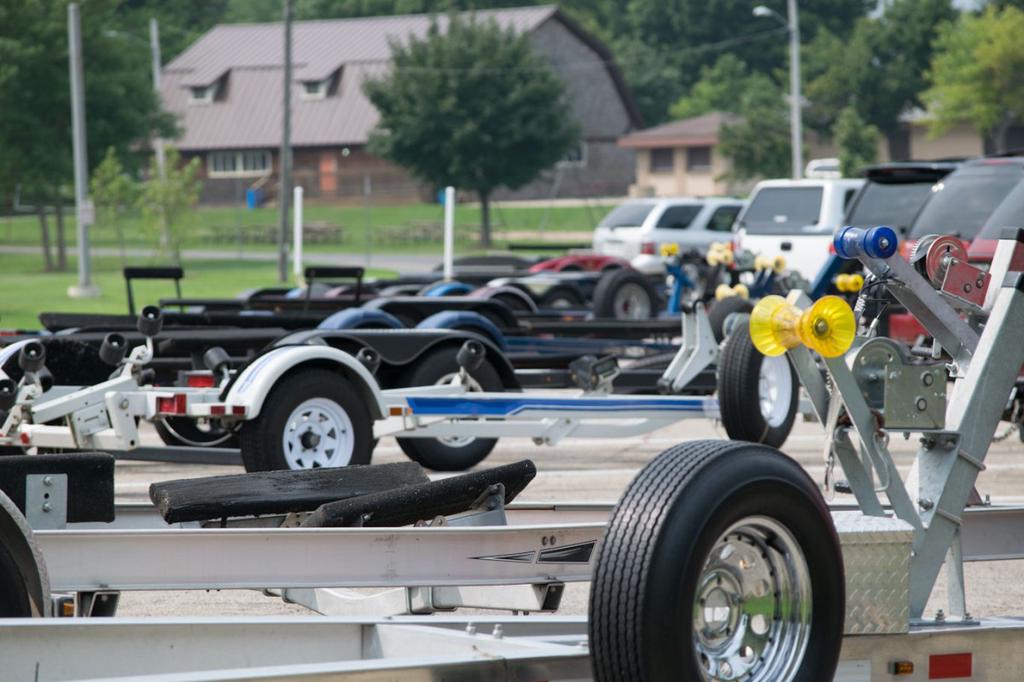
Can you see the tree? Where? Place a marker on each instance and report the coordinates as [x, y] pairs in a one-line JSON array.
[[720, 88], [975, 74], [759, 145], [35, 116], [164, 200], [857, 142], [473, 107], [114, 193], [879, 69]]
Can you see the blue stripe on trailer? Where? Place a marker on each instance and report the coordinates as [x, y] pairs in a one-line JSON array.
[[504, 407]]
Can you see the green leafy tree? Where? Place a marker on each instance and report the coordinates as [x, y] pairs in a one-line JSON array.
[[473, 107], [758, 145], [721, 88], [165, 200], [114, 193], [879, 69], [976, 74], [857, 141]]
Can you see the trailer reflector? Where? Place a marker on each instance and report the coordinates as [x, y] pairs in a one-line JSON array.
[[175, 404], [200, 380], [898, 668], [238, 410], [950, 666], [218, 410]]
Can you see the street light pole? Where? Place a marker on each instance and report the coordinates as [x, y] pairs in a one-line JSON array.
[[796, 127], [83, 207], [284, 192], [154, 49]]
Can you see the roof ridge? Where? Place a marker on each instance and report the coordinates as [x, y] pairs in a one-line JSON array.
[[496, 10]]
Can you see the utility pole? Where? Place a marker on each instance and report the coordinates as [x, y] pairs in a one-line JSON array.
[[83, 207], [796, 126], [284, 191], [154, 49]]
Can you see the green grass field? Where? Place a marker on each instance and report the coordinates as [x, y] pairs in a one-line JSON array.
[[384, 228], [25, 290]]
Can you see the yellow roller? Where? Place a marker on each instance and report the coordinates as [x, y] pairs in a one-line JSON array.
[[843, 283], [669, 250], [724, 291], [779, 264], [827, 327], [762, 263], [741, 290], [856, 282]]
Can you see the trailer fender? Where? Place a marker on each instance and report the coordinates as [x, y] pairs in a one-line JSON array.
[[446, 289], [251, 387], [360, 318], [464, 320], [24, 584]]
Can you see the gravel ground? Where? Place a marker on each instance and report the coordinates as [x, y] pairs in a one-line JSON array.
[[581, 470]]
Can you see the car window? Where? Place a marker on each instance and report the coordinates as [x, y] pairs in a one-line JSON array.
[[1009, 213], [894, 205], [723, 218], [627, 215], [846, 198], [784, 210], [678, 217], [962, 201]]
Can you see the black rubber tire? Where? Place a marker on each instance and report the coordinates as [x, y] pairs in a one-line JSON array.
[[610, 283], [431, 452], [562, 297], [721, 310], [739, 373], [183, 431], [513, 302], [24, 585], [659, 536], [260, 438]]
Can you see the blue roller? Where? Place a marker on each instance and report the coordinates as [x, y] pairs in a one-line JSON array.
[[447, 289], [466, 321], [876, 242], [360, 318]]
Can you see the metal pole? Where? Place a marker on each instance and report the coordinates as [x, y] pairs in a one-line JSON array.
[[83, 207], [154, 48], [795, 117], [449, 232], [297, 237], [286, 147], [367, 227]]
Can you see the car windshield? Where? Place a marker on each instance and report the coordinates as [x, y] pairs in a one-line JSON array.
[[1010, 213], [889, 204], [783, 210], [627, 215], [962, 202]]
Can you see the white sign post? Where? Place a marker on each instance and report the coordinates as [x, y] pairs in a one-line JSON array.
[[297, 223], [449, 232]]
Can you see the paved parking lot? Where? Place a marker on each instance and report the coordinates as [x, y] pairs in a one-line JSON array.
[[599, 471]]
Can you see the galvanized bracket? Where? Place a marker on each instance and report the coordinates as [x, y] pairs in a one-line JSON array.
[[46, 501]]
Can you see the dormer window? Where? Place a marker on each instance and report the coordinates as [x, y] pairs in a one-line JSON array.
[[315, 89], [201, 94]]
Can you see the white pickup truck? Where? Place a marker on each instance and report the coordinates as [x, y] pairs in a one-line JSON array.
[[795, 219]]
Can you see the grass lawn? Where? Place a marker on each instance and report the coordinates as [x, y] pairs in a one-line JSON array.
[[25, 290], [384, 228]]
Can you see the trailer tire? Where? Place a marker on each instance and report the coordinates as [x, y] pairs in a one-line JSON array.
[[721, 310], [702, 524], [332, 409], [184, 431], [561, 297], [625, 294], [24, 583], [433, 453], [744, 374]]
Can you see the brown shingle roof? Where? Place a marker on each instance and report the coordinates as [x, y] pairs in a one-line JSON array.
[[247, 59], [696, 131]]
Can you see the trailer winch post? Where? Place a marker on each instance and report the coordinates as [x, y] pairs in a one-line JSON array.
[[449, 232], [297, 235]]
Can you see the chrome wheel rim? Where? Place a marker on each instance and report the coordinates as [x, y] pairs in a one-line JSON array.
[[752, 609], [774, 390], [318, 433], [474, 387], [631, 302]]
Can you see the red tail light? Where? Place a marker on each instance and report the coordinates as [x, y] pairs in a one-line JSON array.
[[175, 404], [831, 248], [200, 380], [649, 249]]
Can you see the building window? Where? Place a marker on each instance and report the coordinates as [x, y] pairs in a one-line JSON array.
[[662, 160], [314, 89], [575, 157], [201, 95], [238, 164], [698, 158]]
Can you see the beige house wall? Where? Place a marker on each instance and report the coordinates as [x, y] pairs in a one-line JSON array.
[[961, 140], [679, 181]]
